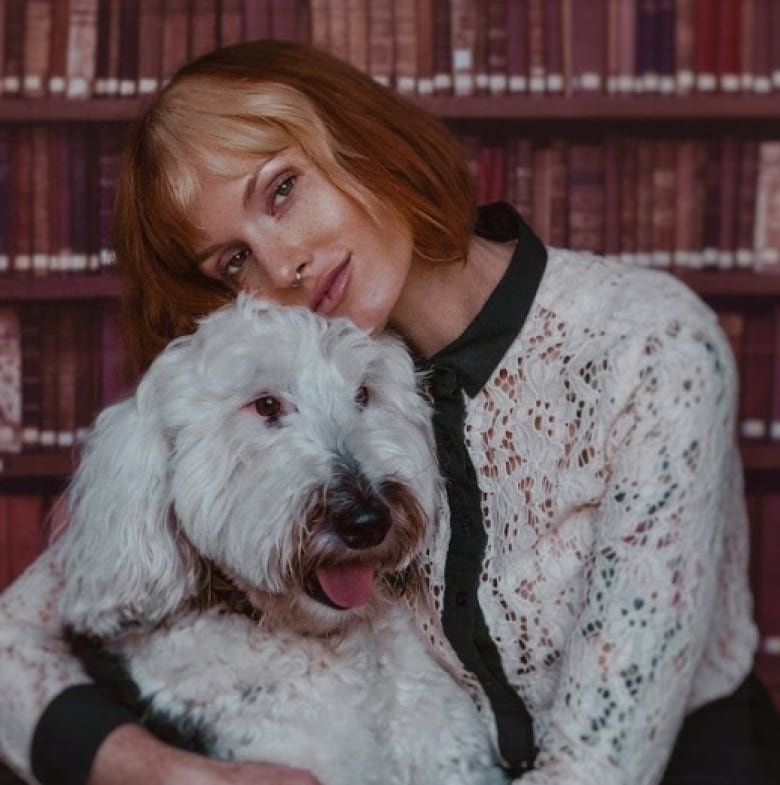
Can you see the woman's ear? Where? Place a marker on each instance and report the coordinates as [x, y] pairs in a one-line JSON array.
[[126, 564]]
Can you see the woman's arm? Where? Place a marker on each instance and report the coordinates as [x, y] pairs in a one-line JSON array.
[[671, 515]]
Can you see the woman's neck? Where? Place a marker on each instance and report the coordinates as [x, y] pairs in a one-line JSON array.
[[439, 301]]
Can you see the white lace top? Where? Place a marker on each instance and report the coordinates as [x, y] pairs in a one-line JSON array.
[[614, 581]]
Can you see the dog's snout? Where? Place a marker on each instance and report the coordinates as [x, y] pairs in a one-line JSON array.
[[358, 516]]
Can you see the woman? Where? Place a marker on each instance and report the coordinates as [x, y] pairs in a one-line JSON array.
[[590, 571]]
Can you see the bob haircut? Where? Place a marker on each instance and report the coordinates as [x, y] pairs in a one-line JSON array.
[[259, 98]]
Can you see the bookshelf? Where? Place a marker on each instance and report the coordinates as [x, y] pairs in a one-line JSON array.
[[494, 71]]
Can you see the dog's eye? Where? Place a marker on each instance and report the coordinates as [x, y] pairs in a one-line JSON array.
[[361, 396], [268, 406]]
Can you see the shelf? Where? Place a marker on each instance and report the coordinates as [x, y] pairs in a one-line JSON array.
[[534, 108], [732, 283], [65, 286]]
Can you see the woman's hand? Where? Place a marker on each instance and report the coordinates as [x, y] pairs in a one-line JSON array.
[[131, 754]]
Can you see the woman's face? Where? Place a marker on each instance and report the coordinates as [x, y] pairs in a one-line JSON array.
[[280, 215]]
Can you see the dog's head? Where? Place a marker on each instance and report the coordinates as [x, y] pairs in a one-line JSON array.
[[292, 452]]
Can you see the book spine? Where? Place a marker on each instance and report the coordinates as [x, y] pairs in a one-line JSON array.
[[291, 20], [442, 49], [22, 195], [49, 376], [463, 35], [426, 65], [612, 196], [629, 161], [66, 374], [537, 56], [706, 46], [231, 22], [257, 19], [203, 27], [767, 222], [646, 33], [175, 38], [768, 589], [664, 197], [405, 23], [644, 202], [586, 197], [685, 46], [338, 29], [36, 48], [5, 198], [13, 62], [82, 48], [113, 374], [774, 407], [746, 203], [26, 519], [713, 185], [5, 538], [31, 316], [381, 32], [150, 27], [557, 44], [559, 193], [588, 49], [10, 381], [762, 38], [517, 46], [755, 398], [357, 43], [728, 41], [665, 42], [727, 229], [522, 192], [58, 59], [129, 43], [41, 167], [497, 46]]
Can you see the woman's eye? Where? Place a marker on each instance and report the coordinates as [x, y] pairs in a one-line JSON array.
[[361, 396], [268, 406], [284, 189], [235, 262]]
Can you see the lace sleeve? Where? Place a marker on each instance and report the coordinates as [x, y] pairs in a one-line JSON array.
[[35, 665], [652, 574]]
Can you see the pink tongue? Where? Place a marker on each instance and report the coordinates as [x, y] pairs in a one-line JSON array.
[[347, 587]]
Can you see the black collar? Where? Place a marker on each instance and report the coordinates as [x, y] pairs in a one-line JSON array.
[[474, 354]]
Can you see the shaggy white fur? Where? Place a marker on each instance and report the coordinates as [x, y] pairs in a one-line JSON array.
[[294, 455]]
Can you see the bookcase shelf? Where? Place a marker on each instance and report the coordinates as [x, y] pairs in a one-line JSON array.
[[541, 108], [64, 286]]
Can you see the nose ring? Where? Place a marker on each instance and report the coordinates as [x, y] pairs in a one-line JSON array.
[[298, 280]]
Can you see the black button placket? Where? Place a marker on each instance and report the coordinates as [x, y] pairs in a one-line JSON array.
[[462, 617]]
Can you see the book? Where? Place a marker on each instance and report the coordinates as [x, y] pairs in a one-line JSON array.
[[257, 19], [767, 219], [114, 377], [2, 42], [665, 43], [128, 48], [175, 38], [381, 45], [26, 521], [13, 47], [442, 48], [755, 381], [663, 202], [774, 45], [558, 43], [537, 55], [30, 318], [20, 246], [49, 350], [706, 59], [689, 205], [747, 185], [768, 589], [517, 46], [463, 37], [588, 46], [626, 56], [685, 46], [713, 186], [10, 380], [629, 159], [6, 186], [774, 404], [612, 196], [320, 23], [426, 65], [646, 52], [746, 33], [733, 325], [290, 20], [36, 49], [761, 43], [41, 241], [60, 200], [82, 48], [150, 26], [78, 172], [203, 26], [406, 46], [58, 57], [357, 41], [612, 46], [520, 166], [338, 28], [727, 209], [230, 22], [107, 48], [497, 46], [109, 154], [67, 375], [728, 42], [559, 193], [586, 197], [645, 165], [5, 533]]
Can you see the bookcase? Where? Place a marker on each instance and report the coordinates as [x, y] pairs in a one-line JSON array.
[[652, 136]]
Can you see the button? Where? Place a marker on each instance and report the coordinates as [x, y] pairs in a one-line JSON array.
[[461, 598]]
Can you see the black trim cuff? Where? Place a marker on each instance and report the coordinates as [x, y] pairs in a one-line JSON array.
[[70, 732]]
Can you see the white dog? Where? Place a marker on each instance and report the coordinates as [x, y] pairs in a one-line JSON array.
[[289, 459]]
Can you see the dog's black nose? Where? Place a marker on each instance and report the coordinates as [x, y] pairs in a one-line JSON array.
[[359, 517]]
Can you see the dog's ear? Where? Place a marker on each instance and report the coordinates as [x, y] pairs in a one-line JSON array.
[[125, 562]]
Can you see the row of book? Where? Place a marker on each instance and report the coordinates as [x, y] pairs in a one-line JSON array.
[[83, 48], [60, 363], [26, 524], [754, 335], [709, 202], [654, 201], [764, 512]]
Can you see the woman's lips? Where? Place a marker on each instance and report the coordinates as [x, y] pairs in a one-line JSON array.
[[331, 289]]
